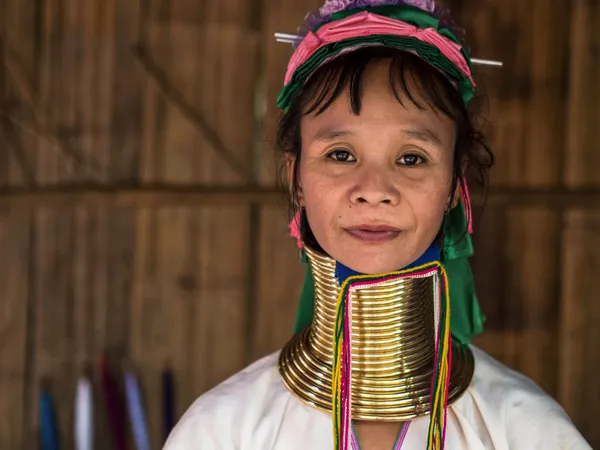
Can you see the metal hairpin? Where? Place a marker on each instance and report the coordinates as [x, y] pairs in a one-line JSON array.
[[296, 39]]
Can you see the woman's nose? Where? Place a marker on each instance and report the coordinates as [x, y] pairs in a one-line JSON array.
[[374, 187]]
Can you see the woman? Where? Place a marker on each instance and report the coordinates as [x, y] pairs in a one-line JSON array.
[[378, 140]]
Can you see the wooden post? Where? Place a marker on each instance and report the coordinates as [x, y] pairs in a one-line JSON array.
[[579, 306]]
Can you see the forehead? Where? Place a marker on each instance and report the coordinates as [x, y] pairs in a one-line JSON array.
[[385, 101]]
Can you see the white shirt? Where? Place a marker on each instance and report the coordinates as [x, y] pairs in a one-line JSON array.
[[253, 410]]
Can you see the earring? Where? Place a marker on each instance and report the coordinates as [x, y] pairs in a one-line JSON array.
[[295, 226]]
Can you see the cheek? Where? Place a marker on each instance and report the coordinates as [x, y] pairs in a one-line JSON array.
[[429, 206], [319, 200], [322, 200]]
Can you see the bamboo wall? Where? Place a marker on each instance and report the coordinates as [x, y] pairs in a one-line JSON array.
[[137, 215]]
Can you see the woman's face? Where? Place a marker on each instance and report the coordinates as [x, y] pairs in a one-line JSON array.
[[375, 186]]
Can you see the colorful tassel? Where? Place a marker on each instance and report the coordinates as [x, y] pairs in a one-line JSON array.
[[342, 363], [84, 415], [114, 409], [49, 435], [168, 396], [137, 415]]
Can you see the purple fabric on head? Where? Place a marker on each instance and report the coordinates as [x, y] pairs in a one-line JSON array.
[[333, 6], [324, 13]]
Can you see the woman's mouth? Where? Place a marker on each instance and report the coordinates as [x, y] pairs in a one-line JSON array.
[[373, 233]]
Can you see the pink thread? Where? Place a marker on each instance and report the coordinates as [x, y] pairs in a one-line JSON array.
[[355, 445], [466, 201], [368, 24], [295, 229], [402, 436]]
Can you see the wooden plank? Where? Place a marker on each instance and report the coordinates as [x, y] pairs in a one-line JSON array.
[[580, 312], [194, 195], [94, 322], [223, 240], [532, 292], [490, 263], [169, 304], [52, 233], [15, 243], [19, 50], [582, 159], [166, 272], [279, 272], [147, 319], [14, 321]]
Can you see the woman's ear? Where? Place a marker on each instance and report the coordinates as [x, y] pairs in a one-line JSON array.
[[453, 199], [290, 166]]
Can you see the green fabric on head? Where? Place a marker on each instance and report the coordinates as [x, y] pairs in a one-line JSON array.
[[429, 53], [406, 13], [466, 319]]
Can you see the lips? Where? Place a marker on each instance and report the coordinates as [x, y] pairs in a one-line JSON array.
[[373, 233]]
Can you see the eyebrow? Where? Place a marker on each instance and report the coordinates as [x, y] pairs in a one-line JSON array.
[[423, 134], [329, 134]]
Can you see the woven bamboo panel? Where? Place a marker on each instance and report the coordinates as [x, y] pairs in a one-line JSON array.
[[280, 271], [15, 246]]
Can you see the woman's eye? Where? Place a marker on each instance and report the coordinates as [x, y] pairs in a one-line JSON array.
[[411, 160], [341, 156]]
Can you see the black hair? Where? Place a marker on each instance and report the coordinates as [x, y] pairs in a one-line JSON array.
[[422, 85]]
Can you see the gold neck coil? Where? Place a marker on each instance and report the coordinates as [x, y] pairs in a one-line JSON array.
[[392, 348]]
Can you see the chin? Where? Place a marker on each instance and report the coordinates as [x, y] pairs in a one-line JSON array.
[[372, 263], [378, 259], [371, 258], [369, 268]]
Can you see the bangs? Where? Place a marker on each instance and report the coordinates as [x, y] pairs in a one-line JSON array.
[[411, 80]]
